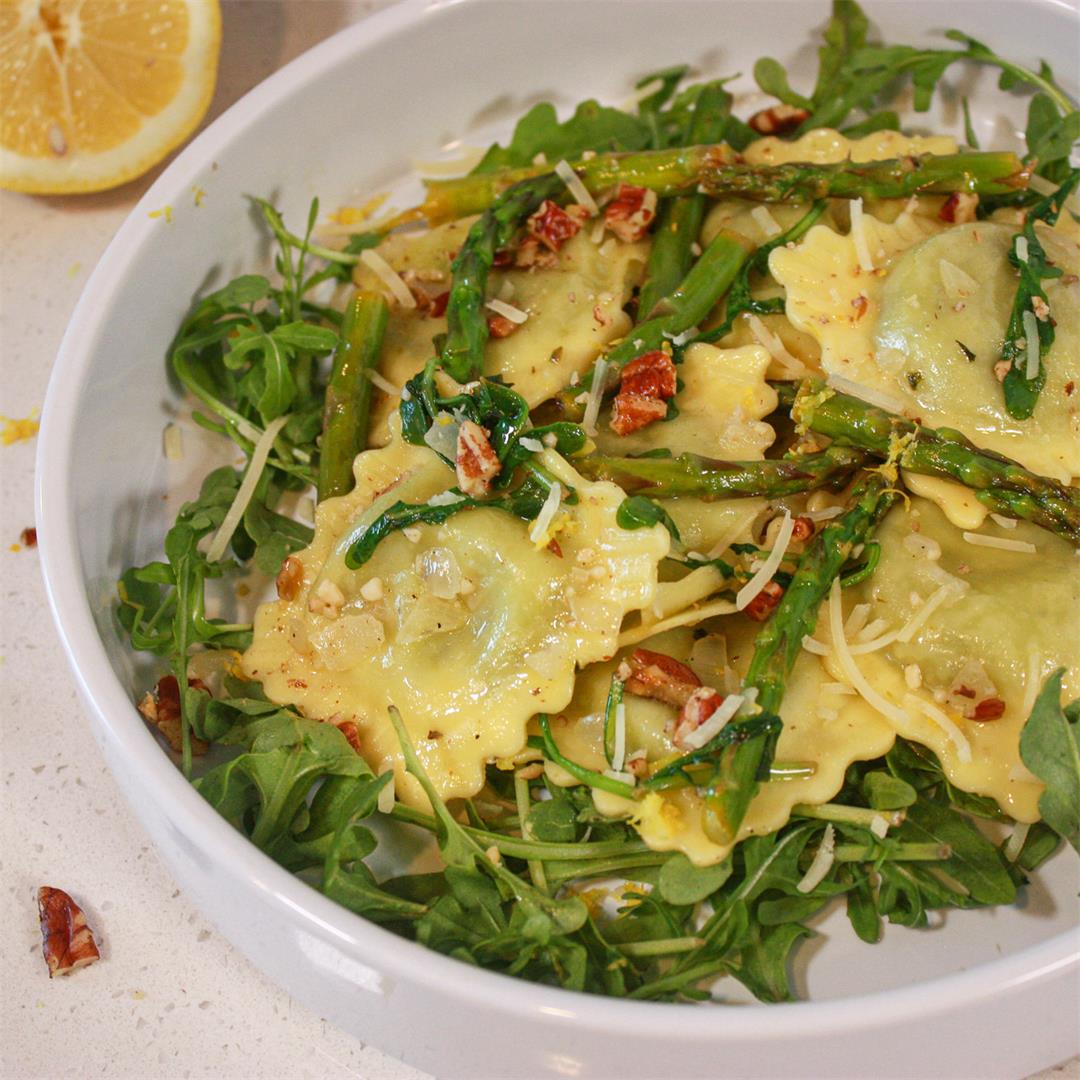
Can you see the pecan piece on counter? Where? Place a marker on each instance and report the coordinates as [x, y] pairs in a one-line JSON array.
[[66, 940]]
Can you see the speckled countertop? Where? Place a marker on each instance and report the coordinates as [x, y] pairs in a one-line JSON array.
[[171, 997]]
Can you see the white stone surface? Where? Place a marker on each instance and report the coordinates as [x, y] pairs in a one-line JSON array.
[[171, 998]]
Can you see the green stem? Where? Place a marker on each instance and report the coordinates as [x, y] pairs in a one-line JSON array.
[[347, 412], [521, 797]]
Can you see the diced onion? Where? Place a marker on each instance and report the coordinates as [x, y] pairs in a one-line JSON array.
[[576, 188], [956, 282], [1000, 542], [388, 276], [769, 566], [508, 311], [259, 454], [765, 221], [865, 393], [850, 668], [822, 862], [547, 514], [943, 721], [595, 397], [1031, 334], [712, 727], [618, 753], [858, 236]]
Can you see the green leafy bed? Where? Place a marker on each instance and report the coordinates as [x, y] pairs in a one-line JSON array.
[[513, 895]]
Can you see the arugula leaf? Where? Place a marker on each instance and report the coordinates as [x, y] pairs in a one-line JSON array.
[[763, 961], [592, 127], [640, 512], [681, 882], [1022, 393], [1051, 136], [771, 77], [1050, 748]]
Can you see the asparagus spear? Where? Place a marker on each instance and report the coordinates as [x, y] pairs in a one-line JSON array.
[[999, 483], [467, 331], [348, 396], [710, 479], [738, 764], [709, 278], [716, 171], [680, 218]]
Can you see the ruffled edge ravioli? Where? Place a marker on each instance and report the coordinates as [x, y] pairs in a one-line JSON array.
[[467, 670]]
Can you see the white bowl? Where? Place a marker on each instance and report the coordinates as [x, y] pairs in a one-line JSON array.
[[347, 115]]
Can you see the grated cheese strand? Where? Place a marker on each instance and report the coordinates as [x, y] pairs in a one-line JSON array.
[[576, 188], [1015, 844], [538, 533], [383, 383], [850, 668], [618, 753], [772, 344], [385, 803], [712, 727], [765, 221], [508, 311], [260, 452], [1031, 336], [1021, 248], [389, 277], [865, 393], [595, 397], [945, 722], [1002, 543], [1004, 522], [769, 566], [858, 236], [822, 862], [919, 618]]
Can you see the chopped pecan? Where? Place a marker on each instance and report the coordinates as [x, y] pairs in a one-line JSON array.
[[290, 578], [761, 607], [28, 537], [161, 709], [645, 385], [66, 940], [701, 704], [351, 732], [778, 119], [438, 305], [553, 226], [326, 599], [637, 764], [959, 208], [631, 212], [659, 676], [476, 463], [802, 528], [499, 326], [530, 253], [991, 708], [503, 259]]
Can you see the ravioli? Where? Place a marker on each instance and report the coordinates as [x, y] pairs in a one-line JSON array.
[[469, 628], [926, 326], [574, 310]]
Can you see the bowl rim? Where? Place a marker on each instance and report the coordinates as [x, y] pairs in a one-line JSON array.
[[120, 726]]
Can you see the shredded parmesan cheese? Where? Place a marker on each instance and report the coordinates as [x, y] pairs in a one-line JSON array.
[[858, 236], [576, 188], [812, 645], [1015, 844], [772, 344], [865, 393], [534, 446], [765, 221], [919, 618], [595, 396], [1004, 522], [943, 721], [173, 443], [388, 276], [958, 284], [618, 753], [260, 452], [538, 533], [712, 727], [879, 826], [848, 665], [383, 383], [1031, 334], [823, 859], [1000, 542], [385, 801], [508, 311], [1021, 248], [825, 514], [769, 567]]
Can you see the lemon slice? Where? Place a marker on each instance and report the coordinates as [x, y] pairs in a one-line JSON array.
[[95, 92]]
